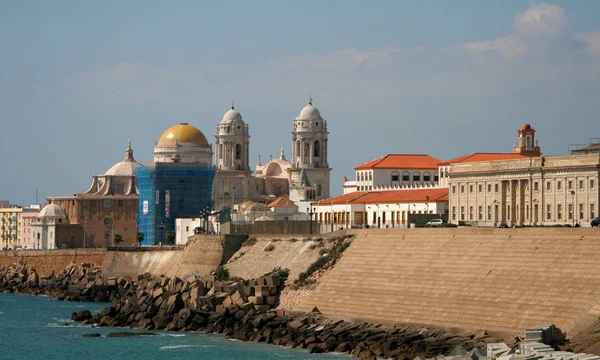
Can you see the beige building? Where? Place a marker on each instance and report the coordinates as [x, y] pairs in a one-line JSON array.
[[524, 188], [10, 227]]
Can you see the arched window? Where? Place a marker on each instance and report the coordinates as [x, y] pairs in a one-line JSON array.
[[416, 177], [297, 149], [370, 176], [405, 176], [427, 177], [238, 151], [395, 177], [221, 151], [317, 149], [306, 151], [319, 190]]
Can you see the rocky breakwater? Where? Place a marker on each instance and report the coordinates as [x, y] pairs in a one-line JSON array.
[[77, 283], [243, 310]]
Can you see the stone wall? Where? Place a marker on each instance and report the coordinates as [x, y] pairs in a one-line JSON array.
[[494, 279], [48, 261]]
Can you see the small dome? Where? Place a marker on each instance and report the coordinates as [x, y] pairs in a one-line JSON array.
[[182, 133], [231, 116], [253, 206], [309, 112], [123, 168], [525, 127], [52, 210]]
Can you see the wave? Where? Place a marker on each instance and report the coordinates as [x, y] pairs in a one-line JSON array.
[[175, 335], [170, 347]]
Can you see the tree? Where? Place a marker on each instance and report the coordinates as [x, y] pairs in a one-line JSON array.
[[139, 237], [199, 230], [171, 237], [118, 239]]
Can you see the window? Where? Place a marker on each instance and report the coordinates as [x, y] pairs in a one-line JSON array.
[[480, 188], [489, 213], [416, 177], [470, 213], [454, 213], [405, 177], [496, 187], [187, 228], [570, 211], [462, 212], [570, 184], [471, 189], [462, 189], [489, 188], [480, 212], [548, 212], [580, 211], [427, 178], [454, 189], [535, 186], [591, 184], [559, 212], [436, 178], [508, 212], [395, 176], [580, 184], [370, 176], [548, 186], [592, 212], [238, 151], [317, 149], [559, 185]]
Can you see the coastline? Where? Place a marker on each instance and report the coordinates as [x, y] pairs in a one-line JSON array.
[[235, 309]]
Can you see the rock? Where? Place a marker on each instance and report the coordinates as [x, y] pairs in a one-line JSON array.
[[81, 316], [130, 334], [91, 335]]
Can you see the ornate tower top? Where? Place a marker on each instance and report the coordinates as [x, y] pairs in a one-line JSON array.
[[526, 143]]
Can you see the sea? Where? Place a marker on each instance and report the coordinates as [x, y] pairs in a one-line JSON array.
[[32, 327]]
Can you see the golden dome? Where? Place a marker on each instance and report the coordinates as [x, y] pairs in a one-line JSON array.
[[182, 133], [525, 126]]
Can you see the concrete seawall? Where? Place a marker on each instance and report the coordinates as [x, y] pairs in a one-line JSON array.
[[47, 262], [494, 279]]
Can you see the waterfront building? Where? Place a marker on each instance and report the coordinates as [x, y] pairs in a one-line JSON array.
[[177, 184], [27, 218], [107, 209], [523, 187], [304, 178], [11, 227]]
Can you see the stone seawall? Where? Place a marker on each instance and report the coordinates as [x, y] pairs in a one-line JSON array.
[[47, 262]]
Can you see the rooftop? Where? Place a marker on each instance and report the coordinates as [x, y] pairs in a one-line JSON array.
[[401, 161], [479, 157], [390, 196]]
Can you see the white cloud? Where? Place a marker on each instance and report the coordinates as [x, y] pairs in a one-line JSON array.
[[541, 19], [592, 41], [508, 47]]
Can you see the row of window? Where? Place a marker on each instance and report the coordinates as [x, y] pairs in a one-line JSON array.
[[397, 217], [395, 177], [535, 186], [559, 212]]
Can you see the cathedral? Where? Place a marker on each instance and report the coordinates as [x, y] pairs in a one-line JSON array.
[[304, 178]]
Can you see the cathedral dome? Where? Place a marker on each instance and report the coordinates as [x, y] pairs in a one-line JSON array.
[[52, 210], [309, 112], [182, 133], [123, 168], [232, 116], [525, 126]]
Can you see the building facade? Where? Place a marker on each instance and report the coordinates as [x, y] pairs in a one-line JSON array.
[[108, 208], [11, 227], [27, 217], [524, 188]]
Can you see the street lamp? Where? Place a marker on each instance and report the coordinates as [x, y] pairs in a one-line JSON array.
[[573, 206], [161, 228]]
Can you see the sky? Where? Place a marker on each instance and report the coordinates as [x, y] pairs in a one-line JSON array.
[[444, 78]]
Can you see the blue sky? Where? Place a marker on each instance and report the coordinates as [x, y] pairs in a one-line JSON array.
[[446, 78]]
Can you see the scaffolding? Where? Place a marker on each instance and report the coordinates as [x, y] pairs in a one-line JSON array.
[[169, 191]]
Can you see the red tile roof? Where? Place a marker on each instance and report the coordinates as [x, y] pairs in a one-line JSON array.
[[401, 161], [391, 196], [282, 201], [476, 157]]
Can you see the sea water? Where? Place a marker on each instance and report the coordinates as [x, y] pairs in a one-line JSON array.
[[32, 327]]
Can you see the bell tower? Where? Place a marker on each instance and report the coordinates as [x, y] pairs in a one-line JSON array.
[[526, 143]]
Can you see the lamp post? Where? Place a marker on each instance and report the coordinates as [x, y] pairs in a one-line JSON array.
[[161, 228], [38, 239], [310, 214], [107, 235], [427, 204], [573, 206], [72, 236]]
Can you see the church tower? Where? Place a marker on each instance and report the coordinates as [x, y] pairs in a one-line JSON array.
[[524, 145], [232, 161], [309, 171]]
